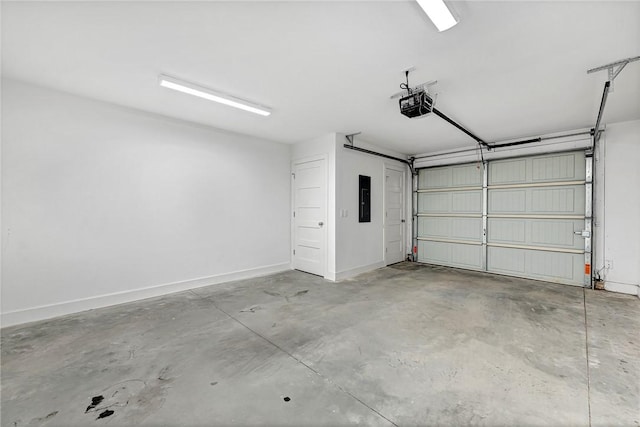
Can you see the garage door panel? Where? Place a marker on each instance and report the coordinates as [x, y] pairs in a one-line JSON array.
[[538, 204], [556, 233], [466, 202], [434, 227], [434, 252], [434, 202], [466, 176], [450, 228], [558, 267], [450, 254], [540, 169], [508, 172], [434, 178], [506, 260], [451, 202], [550, 233], [468, 256], [560, 200], [466, 228], [500, 230], [508, 201], [558, 167], [535, 205]]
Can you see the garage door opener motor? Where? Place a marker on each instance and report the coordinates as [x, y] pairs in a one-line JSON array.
[[415, 101]]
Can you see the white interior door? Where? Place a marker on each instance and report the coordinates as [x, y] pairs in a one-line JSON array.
[[309, 216], [394, 216]]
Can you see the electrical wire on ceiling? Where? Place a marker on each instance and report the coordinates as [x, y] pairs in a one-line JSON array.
[[405, 86]]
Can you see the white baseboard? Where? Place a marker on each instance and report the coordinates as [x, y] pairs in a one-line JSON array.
[[342, 275], [623, 288], [68, 307]]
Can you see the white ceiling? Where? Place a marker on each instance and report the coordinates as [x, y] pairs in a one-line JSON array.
[[508, 69]]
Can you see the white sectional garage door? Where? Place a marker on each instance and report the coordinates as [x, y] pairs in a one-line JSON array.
[[535, 206], [532, 210], [450, 216]]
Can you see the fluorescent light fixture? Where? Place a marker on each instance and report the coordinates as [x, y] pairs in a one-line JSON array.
[[439, 13], [212, 95]]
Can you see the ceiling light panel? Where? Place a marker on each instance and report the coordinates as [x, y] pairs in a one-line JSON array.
[[212, 95], [439, 13]]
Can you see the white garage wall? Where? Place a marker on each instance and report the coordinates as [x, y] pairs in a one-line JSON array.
[[103, 204], [359, 246], [352, 247], [620, 148]]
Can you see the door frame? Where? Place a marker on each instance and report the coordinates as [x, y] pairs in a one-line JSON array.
[[292, 205], [403, 171]]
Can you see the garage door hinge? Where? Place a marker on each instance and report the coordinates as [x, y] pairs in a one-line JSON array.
[[294, 214], [293, 175], [294, 251]]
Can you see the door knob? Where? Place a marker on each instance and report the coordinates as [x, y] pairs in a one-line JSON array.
[[321, 223]]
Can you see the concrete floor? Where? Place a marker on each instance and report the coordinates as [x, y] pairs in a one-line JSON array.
[[404, 345]]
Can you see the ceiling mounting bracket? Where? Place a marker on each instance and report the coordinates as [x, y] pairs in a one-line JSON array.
[[613, 69], [350, 137]]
